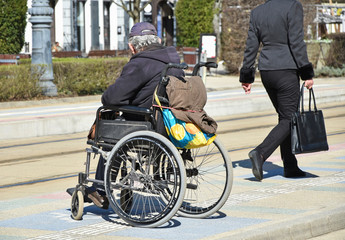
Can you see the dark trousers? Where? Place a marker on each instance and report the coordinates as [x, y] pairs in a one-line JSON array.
[[99, 176], [283, 89]]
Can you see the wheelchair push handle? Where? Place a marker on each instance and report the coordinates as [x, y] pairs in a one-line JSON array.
[[173, 65], [165, 79], [203, 64]]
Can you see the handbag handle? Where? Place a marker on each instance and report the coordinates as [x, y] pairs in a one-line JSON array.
[[311, 92], [301, 103]]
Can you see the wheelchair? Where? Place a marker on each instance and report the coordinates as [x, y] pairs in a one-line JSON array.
[[147, 179]]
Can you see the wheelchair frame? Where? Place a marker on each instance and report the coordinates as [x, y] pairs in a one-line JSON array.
[[147, 179]]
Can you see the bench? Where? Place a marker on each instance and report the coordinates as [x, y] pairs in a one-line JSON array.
[[108, 53], [9, 61], [102, 53], [66, 54], [123, 53]]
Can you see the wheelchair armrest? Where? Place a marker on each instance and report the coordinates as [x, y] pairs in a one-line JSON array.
[[91, 142], [130, 109]]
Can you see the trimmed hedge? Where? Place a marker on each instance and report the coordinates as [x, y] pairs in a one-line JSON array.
[[88, 77], [17, 83], [336, 57], [330, 72], [73, 77]]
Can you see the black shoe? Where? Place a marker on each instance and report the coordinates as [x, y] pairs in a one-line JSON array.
[[257, 162], [294, 173], [105, 202]]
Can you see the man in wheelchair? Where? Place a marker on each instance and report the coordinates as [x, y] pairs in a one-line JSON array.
[[136, 85]]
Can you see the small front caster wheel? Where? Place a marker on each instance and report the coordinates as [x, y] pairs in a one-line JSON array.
[[77, 205]]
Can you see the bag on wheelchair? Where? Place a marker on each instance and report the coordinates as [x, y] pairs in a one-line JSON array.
[[108, 115], [110, 127], [184, 134]]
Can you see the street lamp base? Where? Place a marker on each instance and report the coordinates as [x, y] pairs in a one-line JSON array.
[[48, 88]]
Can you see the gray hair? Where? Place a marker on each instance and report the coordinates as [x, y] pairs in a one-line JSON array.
[[141, 42]]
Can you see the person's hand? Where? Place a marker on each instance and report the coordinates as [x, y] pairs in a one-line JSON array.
[[309, 83], [247, 87]]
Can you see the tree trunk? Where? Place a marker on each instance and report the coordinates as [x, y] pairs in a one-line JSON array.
[[216, 23], [133, 9]]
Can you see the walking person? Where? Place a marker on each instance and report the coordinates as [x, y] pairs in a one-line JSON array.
[[277, 25]]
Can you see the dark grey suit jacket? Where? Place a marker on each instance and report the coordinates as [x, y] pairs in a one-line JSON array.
[[278, 26]]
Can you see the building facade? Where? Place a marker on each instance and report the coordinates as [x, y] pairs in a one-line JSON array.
[[85, 25]]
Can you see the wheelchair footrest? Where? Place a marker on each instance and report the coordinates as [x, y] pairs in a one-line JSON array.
[[70, 191]]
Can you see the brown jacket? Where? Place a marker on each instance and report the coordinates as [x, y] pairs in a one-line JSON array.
[[187, 96]]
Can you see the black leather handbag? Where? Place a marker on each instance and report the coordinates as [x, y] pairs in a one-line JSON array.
[[308, 132]]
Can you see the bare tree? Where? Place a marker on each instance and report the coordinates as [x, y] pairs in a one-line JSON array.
[[132, 7]]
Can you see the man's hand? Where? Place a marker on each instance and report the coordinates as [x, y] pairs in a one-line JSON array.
[[247, 87], [309, 83]]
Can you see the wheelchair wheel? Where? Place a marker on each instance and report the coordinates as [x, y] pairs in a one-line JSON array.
[[126, 199], [145, 179], [77, 205], [209, 180]]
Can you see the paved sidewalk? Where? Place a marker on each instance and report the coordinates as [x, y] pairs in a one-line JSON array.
[[276, 208]]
